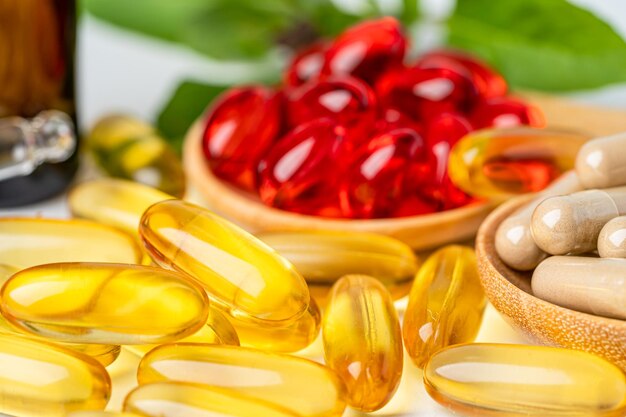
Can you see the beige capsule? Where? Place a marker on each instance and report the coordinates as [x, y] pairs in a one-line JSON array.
[[601, 163], [589, 285], [514, 241], [612, 239], [571, 224]]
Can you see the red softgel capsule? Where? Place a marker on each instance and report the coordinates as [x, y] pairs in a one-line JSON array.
[[505, 112], [300, 172], [487, 81], [391, 118], [377, 177], [240, 127], [366, 50], [346, 100], [424, 93], [305, 66]]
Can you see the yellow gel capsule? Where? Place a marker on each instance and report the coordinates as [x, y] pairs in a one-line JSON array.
[[114, 202], [177, 399], [500, 163], [129, 148], [218, 330], [518, 380], [26, 242], [362, 341], [446, 303], [244, 277], [104, 303], [41, 379], [102, 414], [300, 385], [323, 257]]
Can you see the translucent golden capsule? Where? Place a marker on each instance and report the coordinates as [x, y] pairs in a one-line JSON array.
[[177, 399], [362, 341], [28, 242], [102, 414], [41, 379], [302, 386], [518, 380], [104, 303], [446, 303], [323, 257]]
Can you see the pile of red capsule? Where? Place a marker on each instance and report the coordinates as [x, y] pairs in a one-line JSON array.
[[356, 131]]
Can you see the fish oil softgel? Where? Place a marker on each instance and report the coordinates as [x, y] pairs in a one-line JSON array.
[[517, 380], [362, 341], [26, 242], [41, 379], [323, 257], [502, 163], [302, 386], [446, 303], [177, 399], [102, 414], [104, 303]]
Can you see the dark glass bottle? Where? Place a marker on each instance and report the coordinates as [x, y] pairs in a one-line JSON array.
[[37, 150]]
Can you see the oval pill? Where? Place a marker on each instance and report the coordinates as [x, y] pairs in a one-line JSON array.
[[518, 380], [177, 399], [362, 341], [302, 386], [26, 242], [323, 257], [104, 303], [446, 303], [612, 238], [41, 379], [591, 285], [601, 162], [571, 224], [244, 276], [514, 241]]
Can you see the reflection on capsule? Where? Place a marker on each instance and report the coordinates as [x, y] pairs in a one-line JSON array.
[[519, 380], [104, 303], [302, 386], [102, 414]]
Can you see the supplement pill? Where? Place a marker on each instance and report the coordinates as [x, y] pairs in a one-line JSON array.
[[590, 285], [244, 276], [514, 241], [104, 303], [26, 242], [601, 163], [612, 239], [362, 341], [41, 379], [300, 385], [102, 414], [571, 224], [446, 303], [177, 399], [523, 381]]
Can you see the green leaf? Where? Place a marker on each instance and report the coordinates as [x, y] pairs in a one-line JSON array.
[[187, 103], [540, 44]]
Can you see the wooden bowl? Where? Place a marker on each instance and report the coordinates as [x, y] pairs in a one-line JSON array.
[[540, 321]]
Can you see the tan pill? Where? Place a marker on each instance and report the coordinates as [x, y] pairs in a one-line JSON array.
[[612, 239], [571, 224], [514, 242], [601, 163], [590, 285]]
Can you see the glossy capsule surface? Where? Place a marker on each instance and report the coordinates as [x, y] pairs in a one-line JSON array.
[[41, 379], [114, 202], [104, 303], [323, 257], [601, 162], [177, 399], [102, 414], [362, 341], [26, 242], [502, 163], [517, 380], [302, 386], [244, 276], [446, 303], [612, 238]]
